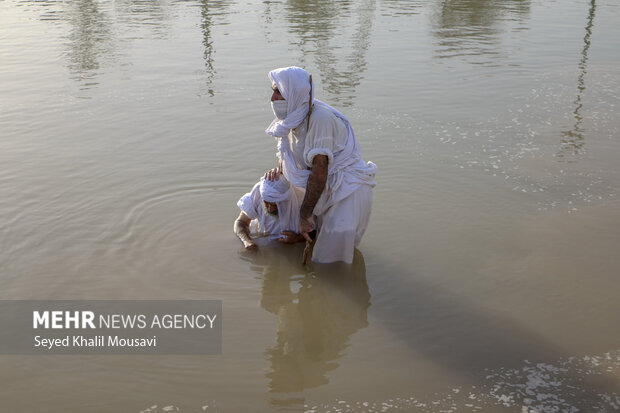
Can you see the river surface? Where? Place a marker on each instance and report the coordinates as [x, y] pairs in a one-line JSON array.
[[488, 277]]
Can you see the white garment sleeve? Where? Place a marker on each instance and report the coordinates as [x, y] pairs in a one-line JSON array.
[[321, 136], [250, 202]]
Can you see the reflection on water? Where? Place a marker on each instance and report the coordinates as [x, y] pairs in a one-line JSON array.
[[94, 30], [316, 314], [321, 32], [470, 27], [143, 14], [449, 299], [573, 140], [90, 40], [401, 8], [48, 11], [208, 10], [89, 37]]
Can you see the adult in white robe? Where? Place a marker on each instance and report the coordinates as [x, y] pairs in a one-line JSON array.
[[318, 151]]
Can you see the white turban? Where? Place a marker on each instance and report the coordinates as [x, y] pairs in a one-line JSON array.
[[287, 198], [276, 190]]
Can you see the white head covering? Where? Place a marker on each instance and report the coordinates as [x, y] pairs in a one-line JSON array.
[[287, 198], [276, 190], [294, 86]]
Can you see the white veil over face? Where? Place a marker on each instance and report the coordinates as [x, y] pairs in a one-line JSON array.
[[294, 84]]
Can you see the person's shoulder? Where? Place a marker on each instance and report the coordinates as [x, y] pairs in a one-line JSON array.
[[250, 202], [321, 114], [255, 192]]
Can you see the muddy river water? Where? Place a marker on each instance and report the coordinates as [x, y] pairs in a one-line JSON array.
[[487, 279]]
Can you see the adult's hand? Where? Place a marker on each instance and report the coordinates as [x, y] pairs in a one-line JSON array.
[[273, 174], [290, 237], [306, 226]]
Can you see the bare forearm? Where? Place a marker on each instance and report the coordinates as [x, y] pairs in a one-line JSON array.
[[242, 230], [315, 185]]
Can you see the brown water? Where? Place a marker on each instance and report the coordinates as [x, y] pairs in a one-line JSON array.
[[488, 277]]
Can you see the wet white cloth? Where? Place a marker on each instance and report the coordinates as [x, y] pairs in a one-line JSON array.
[[287, 198], [342, 227], [328, 133]]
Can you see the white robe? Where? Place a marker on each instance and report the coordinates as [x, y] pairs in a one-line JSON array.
[[343, 210]]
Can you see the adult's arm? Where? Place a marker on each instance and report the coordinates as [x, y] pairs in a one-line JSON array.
[[242, 230], [314, 189], [291, 237]]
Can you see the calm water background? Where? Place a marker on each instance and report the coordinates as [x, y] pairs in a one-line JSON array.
[[487, 279]]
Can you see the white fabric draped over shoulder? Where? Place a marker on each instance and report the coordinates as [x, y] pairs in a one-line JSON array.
[[346, 170]]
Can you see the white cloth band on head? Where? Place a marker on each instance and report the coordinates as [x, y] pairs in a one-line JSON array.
[[276, 190]]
